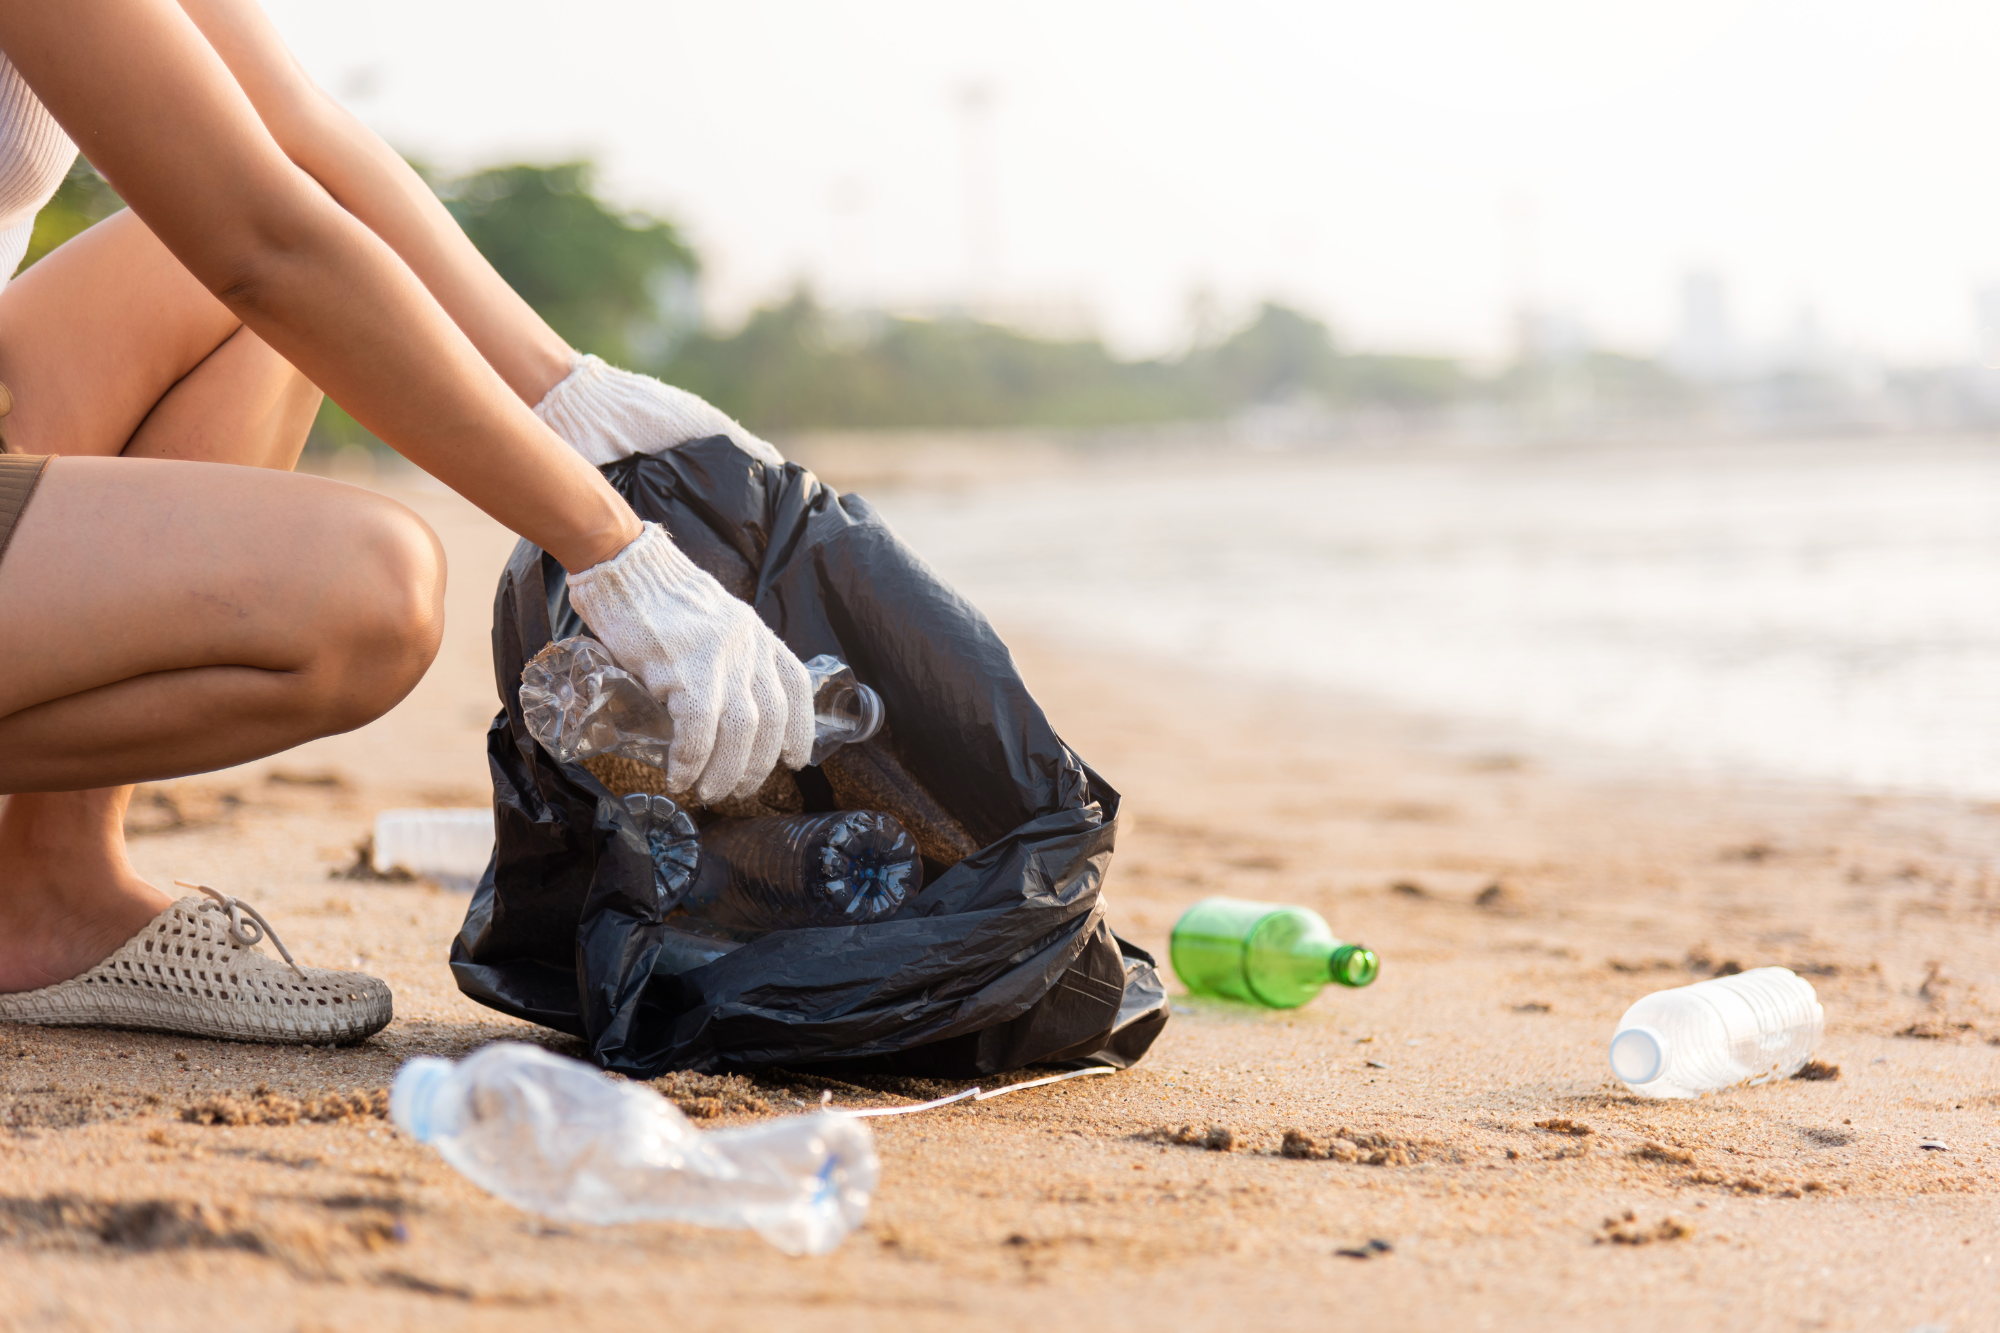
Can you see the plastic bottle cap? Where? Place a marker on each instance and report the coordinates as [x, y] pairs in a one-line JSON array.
[[1639, 1054], [414, 1094]]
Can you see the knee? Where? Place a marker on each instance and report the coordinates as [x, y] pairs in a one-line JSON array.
[[391, 616]]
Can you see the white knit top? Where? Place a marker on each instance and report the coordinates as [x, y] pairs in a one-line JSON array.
[[34, 156]]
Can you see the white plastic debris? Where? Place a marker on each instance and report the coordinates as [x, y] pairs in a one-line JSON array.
[[449, 847]]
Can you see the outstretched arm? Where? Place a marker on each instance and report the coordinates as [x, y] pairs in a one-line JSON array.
[[367, 178], [144, 94], [603, 413]]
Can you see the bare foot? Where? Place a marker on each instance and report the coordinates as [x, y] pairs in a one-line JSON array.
[[68, 894]]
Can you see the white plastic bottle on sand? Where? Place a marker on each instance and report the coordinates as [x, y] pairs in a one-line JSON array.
[[449, 846], [558, 1137], [1723, 1033]]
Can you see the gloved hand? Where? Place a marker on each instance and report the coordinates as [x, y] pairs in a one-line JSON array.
[[607, 414], [739, 699]]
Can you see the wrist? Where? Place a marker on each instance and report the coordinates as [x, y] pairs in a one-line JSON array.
[[542, 366], [602, 542], [637, 574]]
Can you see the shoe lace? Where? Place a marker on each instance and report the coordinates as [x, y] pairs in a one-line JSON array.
[[246, 933]]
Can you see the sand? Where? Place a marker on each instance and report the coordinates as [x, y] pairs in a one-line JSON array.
[[1458, 1157]]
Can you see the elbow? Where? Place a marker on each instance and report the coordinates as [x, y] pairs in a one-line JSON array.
[[247, 273], [268, 239]]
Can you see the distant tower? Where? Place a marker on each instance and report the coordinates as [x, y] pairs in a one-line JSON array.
[[976, 98], [1704, 347], [847, 200]]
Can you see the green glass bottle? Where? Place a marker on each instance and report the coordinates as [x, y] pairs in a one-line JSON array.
[[1264, 953]]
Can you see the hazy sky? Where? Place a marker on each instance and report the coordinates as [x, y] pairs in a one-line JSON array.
[[1410, 171]]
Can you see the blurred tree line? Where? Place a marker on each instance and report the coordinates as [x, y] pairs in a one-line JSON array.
[[623, 285]]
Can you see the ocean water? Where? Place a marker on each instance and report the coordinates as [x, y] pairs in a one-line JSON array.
[[1802, 609]]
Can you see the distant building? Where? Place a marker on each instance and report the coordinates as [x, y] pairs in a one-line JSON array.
[[1704, 347], [1545, 336]]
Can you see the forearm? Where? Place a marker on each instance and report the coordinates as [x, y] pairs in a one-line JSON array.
[[367, 178], [330, 297]]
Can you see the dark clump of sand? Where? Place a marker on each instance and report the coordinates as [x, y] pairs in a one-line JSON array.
[[706, 1096], [1626, 1229], [142, 1224], [264, 1107]]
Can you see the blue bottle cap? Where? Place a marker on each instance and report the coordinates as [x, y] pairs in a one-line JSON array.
[[413, 1096]]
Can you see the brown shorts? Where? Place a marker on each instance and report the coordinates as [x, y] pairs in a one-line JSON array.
[[19, 474]]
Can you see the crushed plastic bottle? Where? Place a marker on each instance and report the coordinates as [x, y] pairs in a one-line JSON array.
[[578, 702], [1263, 952], [847, 867], [1726, 1032], [557, 1137]]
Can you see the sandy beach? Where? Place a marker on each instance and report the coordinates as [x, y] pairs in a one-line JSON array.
[[1520, 901]]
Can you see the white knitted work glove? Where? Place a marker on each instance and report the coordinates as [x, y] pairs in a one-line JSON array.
[[739, 699], [606, 414]]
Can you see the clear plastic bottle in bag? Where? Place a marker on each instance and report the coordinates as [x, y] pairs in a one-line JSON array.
[[559, 1138], [664, 833], [843, 868], [1749, 1028], [578, 702]]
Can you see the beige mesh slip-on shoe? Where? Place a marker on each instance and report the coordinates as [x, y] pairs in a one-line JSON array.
[[196, 971]]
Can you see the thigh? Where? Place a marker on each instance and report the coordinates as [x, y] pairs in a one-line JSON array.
[[243, 404], [96, 333], [122, 568]]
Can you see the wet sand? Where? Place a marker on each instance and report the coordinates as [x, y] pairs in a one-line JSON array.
[[1806, 1204]]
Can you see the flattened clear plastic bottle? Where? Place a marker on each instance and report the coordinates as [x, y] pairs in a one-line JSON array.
[[557, 1137], [1726, 1032]]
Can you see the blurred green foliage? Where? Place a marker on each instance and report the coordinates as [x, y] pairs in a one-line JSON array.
[[617, 284], [622, 284], [83, 198], [796, 365]]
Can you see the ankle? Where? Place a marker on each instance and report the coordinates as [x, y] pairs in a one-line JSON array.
[[68, 893]]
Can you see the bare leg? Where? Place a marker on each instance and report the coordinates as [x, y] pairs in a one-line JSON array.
[[243, 404], [111, 347], [68, 893], [93, 336], [168, 618]]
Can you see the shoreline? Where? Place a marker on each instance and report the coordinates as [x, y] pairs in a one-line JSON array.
[[1793, 1205]]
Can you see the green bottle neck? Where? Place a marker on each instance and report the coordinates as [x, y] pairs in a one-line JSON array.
[[1352, 965]]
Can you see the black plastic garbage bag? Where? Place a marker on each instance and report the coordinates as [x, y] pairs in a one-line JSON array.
[[1003, 960]]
